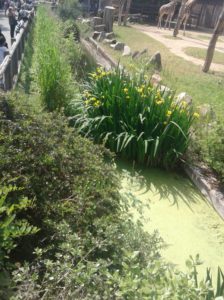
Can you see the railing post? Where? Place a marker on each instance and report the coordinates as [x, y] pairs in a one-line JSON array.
[[8, 78]]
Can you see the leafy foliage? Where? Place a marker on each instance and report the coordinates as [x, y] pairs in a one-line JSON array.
[[131, 117], [209, 144], [69, 9], [11, 227]]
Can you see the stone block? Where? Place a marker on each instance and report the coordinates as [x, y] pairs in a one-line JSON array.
[[99, 28], [118, 46], [127, 51]]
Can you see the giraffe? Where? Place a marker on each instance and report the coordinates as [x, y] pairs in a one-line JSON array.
[[187, 12], [167, 10]]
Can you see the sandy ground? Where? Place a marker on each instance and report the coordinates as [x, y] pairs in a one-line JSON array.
[[177, 46]]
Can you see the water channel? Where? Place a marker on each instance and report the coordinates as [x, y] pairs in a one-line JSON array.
[[185, 220]]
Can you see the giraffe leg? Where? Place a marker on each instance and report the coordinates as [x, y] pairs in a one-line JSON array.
[[185, 22], [171, 17], [167, 19], [160, 21]]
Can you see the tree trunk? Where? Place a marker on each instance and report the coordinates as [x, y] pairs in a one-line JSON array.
[[127, 11], [121, 9], [180, 16], [219, 28]]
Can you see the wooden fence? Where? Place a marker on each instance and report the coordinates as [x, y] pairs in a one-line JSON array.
[[10, 67]]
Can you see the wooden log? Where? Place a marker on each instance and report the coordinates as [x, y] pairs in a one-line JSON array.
[[108, 18]]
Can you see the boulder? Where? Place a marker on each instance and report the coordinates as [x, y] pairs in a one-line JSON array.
[[183, 97], [109, 35], [156, 61], [101, 36], [155, 79], [164, 89], [99, 28], [118, 46], [127, 51], [97, 21], [95, 35], [144, 51], [206, 112], [135, 54]]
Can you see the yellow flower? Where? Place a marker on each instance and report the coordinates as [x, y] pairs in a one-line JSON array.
[[169, 113], [93, 99], [97, 103], [196, 115], [140, 90], [93, 75], [184, 103], [126, 90], [165, 123], [159, 102], [103, 74], [127, 97]]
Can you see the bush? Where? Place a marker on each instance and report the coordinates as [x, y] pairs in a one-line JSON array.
[[131, 117], [81, 64], [69, 9], [209, 144]]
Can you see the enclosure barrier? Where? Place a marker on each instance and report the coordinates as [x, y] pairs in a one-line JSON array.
[[10, 67]]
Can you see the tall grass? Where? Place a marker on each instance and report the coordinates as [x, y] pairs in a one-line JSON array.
[[134, 119], [53, 70]]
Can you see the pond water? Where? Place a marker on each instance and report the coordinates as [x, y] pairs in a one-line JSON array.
[[185, 220]]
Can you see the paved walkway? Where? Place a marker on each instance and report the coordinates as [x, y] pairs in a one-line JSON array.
[[4, 24], [177, 46]]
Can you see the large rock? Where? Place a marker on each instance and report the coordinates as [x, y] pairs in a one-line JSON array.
[[101, 36], [109, 35], [99, 28], [135, 54], [127, 51], [118, 46], [144, 51], [206, 112], [97, 21], [183, 97], [155, 79], [95, 35], [108, 41], [156, 61]]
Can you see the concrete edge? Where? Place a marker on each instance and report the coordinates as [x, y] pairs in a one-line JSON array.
[[213, 195], [102, 52]]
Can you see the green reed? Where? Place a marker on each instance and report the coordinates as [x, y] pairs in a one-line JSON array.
[[53, 70]]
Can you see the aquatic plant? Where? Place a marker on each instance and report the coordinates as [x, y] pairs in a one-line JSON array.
[[135, 119]]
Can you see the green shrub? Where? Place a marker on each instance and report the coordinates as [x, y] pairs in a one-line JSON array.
[[69, 9], [11, 227], [209, 145], [81, 63], [131, 117], [53, 71]]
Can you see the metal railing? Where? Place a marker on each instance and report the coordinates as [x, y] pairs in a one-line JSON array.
[[10, 67]]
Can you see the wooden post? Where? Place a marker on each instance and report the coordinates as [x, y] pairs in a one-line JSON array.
[[108, 18], [8, 78]]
